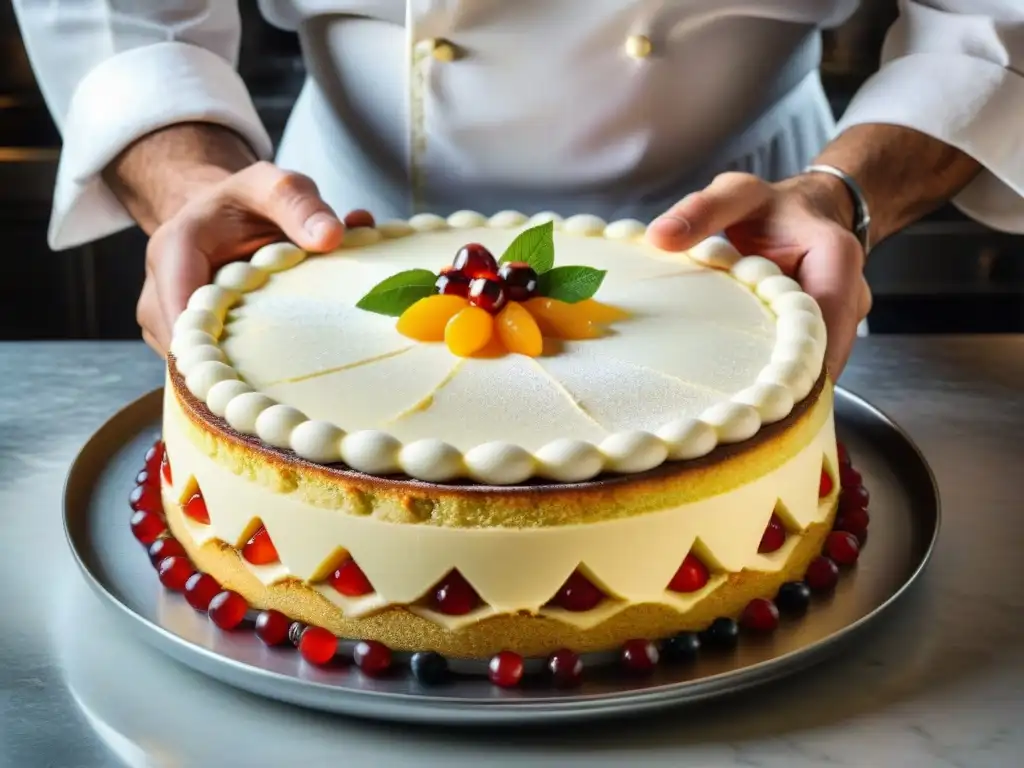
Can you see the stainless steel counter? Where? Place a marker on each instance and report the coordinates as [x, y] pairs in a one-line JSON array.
[[941, 683]]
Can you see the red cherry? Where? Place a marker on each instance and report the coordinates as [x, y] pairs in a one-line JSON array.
[[146, 498], [154, 457], [853, 497], [842, 547], [825, 484], [853, 521], [566, 668], [350, 580], [520, 280], [272, 627], [822, 575], [578, 594], [844, 455], [691, 576], [260, 550], [473, 260], [774, 536], [454, 284], [227, 609], [147, 526], [506, 669], [195, 508], [371, 657], [760, 615], [165, 469], [487, 294], [165, 547], [174, 572], [850, 477], [639, 655], [200, 589], [317, 645], [454, 596], [358, 218]]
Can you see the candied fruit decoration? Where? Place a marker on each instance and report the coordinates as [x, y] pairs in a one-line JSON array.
[[200, 589], [822, 574], [843, 547], [154, 458], [174, 572], [429, 668], [565, 668], [195, 508], [165, 547], [317, 645], [600, 313], [227, 609], [426, 319], [474, 260], [774, 536], [145, 498], [578, 594], [359, 218], [372, 658], [272, 627], [854, 521], [825, 485], [469, 331], [506, 669], [349, 580], [639, 655], [691, 576], [454, 596], [560, 320], [165, 468], [147, 526], [453, 284], [520, 280], [487, 293], [760, 616], [722, 634], [518, 331], [260, 550]]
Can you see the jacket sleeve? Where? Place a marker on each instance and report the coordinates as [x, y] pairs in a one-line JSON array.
[[954, 70], [111, 73]]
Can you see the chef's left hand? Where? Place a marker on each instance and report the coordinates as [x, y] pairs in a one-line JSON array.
[[802, 224]]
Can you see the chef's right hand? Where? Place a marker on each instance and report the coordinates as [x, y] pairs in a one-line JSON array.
[[225, 222]]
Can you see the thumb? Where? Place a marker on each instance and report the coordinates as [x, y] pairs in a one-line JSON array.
[[729, 199]]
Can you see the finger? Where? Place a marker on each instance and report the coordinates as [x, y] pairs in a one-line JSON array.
[[730, 198], [292, 201], [178, 268], [150, 316]]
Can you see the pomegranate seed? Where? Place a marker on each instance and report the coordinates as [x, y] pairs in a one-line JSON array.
[[147, 526], [760, 615], [850, 477], [520, 280], [165, 547], [824, 485], [844, 455], [429, 668], [272, 627], [506, 669], [455, 284], [174, 572], [146, 498], [358, 218], [473, 260], [195, 508], [260, 550], [454, 596], [154, 458], [317, 645], [350, 580], [227, 609], [842, 547], [774, 536], [639, 655], [691, 575], [853, 496], [853, 521], [566, 668], [371, 657], [822, 575], [578, 594], [165, 469], [295, 630], [200, 589], [487, 294]]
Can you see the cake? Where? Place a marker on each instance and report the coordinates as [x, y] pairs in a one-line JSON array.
[[408, 443]]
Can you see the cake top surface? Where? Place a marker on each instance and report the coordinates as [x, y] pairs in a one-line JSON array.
[[673, 355]]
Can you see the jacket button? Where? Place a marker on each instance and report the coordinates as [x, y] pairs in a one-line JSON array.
[[439, 49], [638, 46]]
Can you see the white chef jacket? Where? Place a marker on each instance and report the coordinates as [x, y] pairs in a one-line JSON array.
[[614, 107]]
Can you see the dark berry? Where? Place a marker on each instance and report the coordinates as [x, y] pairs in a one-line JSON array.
[[174, 572], [691, 575], [850, 477], [227, 609], [165, 547], [566, 668], [774, 536], [825, 485], [350, 580], [723, 634], [295, 630], [844, 455], [429, 668], [520, 280], [272, 627], [854, 521], [822, 575], [200, 589], [487, 294], [474, 260], [760, 615], [371, 657], [455, 284], [317, 645], [578, 594], [683, 647], [639, 655], [506, 669], [454, 596], [842, 547], [853, 497], [793, 598]]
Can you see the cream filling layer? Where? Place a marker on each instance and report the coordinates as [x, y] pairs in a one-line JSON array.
[[513, 570]]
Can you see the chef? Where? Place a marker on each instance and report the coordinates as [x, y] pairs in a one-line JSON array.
[[700, 116]]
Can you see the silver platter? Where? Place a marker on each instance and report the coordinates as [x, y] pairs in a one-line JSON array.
[[904, 526]]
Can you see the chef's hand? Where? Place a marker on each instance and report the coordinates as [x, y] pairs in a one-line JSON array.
[[226, 221], [802, 224]]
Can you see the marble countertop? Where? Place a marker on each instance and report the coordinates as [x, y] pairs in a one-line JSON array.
[[939, 683]]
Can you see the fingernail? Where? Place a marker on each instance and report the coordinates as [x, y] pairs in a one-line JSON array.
[[671, 226], [319, 225]]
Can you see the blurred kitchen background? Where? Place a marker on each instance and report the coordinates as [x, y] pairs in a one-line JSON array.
[[945, 274]]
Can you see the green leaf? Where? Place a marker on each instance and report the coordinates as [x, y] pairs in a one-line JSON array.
[[399, 292], [570, 284], [535, 246]]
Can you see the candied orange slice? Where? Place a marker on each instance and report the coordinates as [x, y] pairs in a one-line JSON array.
[[427, 318], [559, 320], [469, 331], [518, 330], [602, 314]]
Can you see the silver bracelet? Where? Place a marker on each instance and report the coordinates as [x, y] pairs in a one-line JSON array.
[[861, 214]]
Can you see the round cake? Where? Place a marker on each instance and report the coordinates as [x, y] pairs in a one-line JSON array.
[[473, 435]]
